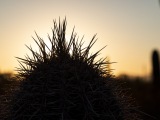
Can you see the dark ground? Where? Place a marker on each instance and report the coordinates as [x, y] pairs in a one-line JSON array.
[[145, 94]]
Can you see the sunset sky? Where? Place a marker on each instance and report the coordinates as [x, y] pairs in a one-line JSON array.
[[129, 28]]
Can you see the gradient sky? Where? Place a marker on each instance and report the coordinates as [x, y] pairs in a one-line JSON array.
[[129, 28]]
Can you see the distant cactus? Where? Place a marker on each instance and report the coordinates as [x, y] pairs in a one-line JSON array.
[[155, 68], [65, 82]]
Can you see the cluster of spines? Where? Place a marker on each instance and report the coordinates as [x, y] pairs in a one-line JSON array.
[[61, 50]]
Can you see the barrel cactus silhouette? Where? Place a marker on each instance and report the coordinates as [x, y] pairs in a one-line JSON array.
[[64, 82], [155, 68]]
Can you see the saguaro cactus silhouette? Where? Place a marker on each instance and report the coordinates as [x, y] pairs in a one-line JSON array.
[[155, 68], [65, 82]]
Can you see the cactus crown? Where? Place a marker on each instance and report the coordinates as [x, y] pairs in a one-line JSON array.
[[61, 50]]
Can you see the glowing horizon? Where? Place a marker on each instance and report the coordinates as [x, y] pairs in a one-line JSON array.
[[130, 29]]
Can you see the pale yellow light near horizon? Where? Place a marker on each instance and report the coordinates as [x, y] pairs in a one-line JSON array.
[[129, 29]]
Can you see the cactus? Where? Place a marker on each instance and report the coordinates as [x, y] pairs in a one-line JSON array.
[[155, 68], [64, 82]]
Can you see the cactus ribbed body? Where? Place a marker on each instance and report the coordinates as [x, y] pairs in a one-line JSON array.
[[64, 83]]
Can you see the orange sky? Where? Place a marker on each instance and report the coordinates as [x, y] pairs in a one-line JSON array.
[[130, 29]]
